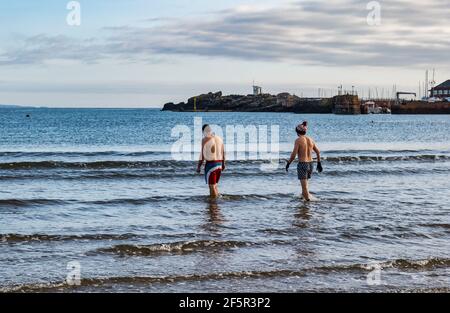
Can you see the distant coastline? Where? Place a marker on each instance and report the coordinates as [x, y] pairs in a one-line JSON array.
[[14, 106]]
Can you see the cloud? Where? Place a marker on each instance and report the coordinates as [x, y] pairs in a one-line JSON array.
[[330, 33], [40, 48], [105, 87]]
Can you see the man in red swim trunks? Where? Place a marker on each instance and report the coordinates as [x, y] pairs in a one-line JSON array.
[[213, 152]]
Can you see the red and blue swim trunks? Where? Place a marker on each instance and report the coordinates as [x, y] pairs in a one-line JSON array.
[[213, 170]]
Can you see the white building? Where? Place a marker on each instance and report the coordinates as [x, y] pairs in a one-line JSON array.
[[257, 90]]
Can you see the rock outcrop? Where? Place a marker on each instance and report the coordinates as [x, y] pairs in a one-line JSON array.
[[283, 102], [313, 105]]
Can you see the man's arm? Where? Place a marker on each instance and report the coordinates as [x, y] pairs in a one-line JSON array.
[[317, 151], [201, 159], [293, 154], [224, 157], [319, 164]]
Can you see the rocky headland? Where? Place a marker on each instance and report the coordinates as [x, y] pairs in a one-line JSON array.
[[285, 102]]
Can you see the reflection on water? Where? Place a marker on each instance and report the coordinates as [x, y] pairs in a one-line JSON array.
[[214, 218], [302, 216], [303, 212], [214, 213]]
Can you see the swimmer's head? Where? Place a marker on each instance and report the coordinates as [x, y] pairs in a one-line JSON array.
[[302, 128], [207, 131]]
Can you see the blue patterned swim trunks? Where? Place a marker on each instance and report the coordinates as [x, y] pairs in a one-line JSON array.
[[304, 170]]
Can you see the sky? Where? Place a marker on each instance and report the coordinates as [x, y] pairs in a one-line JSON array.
[[144, 53]]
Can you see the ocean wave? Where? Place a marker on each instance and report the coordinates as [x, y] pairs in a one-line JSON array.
[[129, 280], [406, 264], [167, 151], [119, 164], [23, 203], [30, 165], [400, 264], [436, 225], [92, 165], [189, 172], [375, 158], [77, 154], [19, 203], [182, 247], [195, 198], [17, 238], [141, 174], [386, 171], [384, 151]]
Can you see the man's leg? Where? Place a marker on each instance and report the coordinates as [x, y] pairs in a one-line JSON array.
[[215, 177], [213, 191], [216, 188], [305, 190]]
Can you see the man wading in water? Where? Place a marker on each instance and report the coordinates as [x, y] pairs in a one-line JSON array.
[[303, 148], [213, 152]]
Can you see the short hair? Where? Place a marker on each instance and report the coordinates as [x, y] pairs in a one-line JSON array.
[[204, 126]]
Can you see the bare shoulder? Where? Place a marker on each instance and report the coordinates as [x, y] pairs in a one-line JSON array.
[[205, 140]]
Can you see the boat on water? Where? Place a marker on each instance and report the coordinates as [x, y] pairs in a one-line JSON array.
[[373, 108]]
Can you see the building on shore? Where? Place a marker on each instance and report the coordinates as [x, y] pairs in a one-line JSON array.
[[441, 91], [346, 104], [257, 90]]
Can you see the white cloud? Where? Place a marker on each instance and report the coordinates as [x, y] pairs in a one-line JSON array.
[[331, 33]]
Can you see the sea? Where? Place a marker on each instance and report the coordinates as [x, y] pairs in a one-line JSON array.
[[102, 200]]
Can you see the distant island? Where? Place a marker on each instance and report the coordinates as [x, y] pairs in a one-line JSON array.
[[13, 106], [285, 102]]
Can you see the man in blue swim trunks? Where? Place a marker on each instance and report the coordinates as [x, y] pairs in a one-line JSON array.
[[213, 152], [304, 146]]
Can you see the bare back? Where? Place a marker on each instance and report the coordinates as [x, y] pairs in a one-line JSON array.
[[305, 148], [213, 148]]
